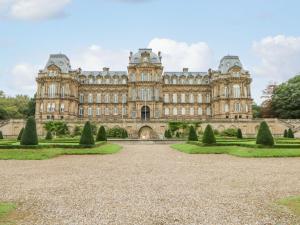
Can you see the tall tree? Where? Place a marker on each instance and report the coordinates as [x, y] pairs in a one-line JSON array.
[[286, 99]]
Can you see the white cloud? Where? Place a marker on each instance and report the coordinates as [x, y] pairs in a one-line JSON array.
[[22, 79], [95, 58], [176, 55], [279, 57], [33, 9]]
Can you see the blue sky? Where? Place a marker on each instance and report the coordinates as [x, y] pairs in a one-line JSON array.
[[193, 33]]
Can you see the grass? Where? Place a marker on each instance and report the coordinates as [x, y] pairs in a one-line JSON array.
[[40, 154], [5, 210], [293, 203], [237, 151]]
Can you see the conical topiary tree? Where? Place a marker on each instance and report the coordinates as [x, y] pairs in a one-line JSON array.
[[177, 134], [87, 137], [264, 135], [20, 134], [285, 133], [29, 136], [48, 135], [192, 134], [101, 135], [239, 134], [168, 134], [1, 135], [290, 133], [208, 136]]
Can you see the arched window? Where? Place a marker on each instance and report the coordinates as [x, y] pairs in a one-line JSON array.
[[237, 107], [167, 111], [166, 81], [183, 98], [226, 108], [192, 111], [81, 98], [174, 98], [174, 81], [52, 90], [190, 81], [175, 111], [191, 98], [199, 98], [200, 111], [183, 111], [236, 91], [208, 111]]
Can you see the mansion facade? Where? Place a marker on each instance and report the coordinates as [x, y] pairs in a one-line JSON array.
[[144, 92]]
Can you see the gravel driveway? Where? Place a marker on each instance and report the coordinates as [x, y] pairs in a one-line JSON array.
[[151, 184]]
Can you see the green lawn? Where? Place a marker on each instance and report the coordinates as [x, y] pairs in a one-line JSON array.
[[237, 151], [40, 154], [293, 203], [5, 210]]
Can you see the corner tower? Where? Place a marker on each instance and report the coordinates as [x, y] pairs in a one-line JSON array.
[[231, 95], [57, 88]]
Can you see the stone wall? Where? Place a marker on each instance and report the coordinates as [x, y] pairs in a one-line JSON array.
[[249, 127]]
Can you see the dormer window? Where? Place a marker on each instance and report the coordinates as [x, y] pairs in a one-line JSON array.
[[236, 74], [145, 59], [52, 73]]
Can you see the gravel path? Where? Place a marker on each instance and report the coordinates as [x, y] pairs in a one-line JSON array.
[[151, 184]]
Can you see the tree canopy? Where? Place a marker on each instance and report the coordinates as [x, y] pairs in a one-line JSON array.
[[286, 99]]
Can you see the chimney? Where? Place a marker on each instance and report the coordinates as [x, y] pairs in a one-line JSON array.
[[130, 56]]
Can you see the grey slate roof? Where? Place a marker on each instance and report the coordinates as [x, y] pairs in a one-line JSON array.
[[137, 57], [194, 74], [104, 73], [229, 61], [59, 60]]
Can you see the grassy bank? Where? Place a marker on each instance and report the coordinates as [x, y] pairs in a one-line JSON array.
[[5, 210], [293, 203], [237, 151], [40, 154]]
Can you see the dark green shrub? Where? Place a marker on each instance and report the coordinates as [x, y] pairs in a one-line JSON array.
[[216, 132], [230, 132], [1, 135], [285, 134], [29, 136], [124, 133], [20, 134], [48, 135], [117, 132], [87, 137], [290, 133], [192, 134], [60, 128], [177, 134], [168, 134], [239, 134], [77, 131], [264, 135], [101, 135], [208, 136]]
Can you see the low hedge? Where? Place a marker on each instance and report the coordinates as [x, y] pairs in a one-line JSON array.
[[51, 146]]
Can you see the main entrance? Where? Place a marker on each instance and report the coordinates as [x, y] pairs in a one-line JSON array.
[[146, 133], [145, 113]]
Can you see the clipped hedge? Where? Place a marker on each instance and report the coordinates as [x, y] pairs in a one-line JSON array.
[[87, 137], [29, 136], [264, 135]]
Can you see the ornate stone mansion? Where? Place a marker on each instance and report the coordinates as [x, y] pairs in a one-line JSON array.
[[143, 93]]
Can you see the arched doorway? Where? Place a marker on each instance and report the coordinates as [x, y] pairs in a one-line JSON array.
[[146, 133], [145, 113]]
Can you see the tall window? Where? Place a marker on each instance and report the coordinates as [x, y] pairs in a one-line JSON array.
[[156, 94], [133, 94], [52, 91], [53, 107], [106, 111], [183, 98], [226, 108], [199, 98], [41, 107], [116, 98], [174, 98], [236, 91], [191, 98], [98, 111], [167, 111], [175, 111], [166, 98], [81, 111], [208, 98], [62, 91], [90, 111], [133, 77], [115, 110], [246, 108], [106, 98], [190, 81], [124, 98], [98, 99], [200, 111], [208, 111], [166, 81], [192, 111], [174, 81], [49, 107], [226, 92], [81, 98], [90, 98], [62, 108], [43, 91], [237, 107], [123, 81], [183, 111]]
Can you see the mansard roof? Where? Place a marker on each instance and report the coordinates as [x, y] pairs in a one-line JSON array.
[[137, 58], [104, 73], [194, 74], [59, 60], [229, 61]]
